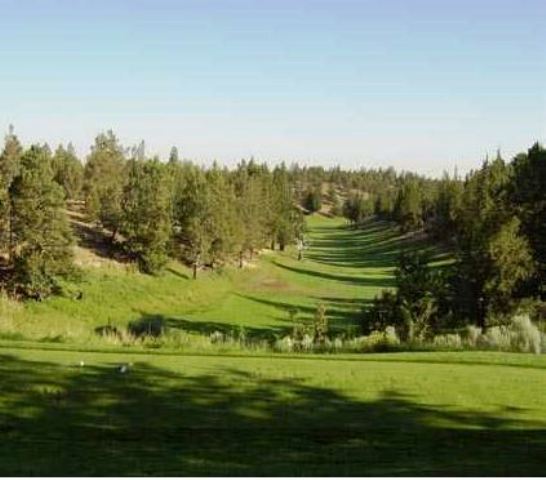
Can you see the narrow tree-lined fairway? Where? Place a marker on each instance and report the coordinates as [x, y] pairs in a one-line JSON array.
[[343, 268], [76, 412], [392, 414]]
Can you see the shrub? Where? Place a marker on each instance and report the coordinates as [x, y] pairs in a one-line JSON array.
[[153, 326], [320, 325], [217, 337], [337, 344], [497, 337], [525, 337], [391, 338], [448, 341], [108, 330], [521, 335], [472, 335], [307, 343], [377, 341], [284, 344]]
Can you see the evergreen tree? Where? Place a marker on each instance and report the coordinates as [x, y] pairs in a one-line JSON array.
[[41, 236], [357, 208], [9, 168], [249, 191], [173, 155], [312, 201], [408, 209], [68, 171], [104, 180], [189, 211], [528, 195], [492, 256], [443, 224], [146, 223]]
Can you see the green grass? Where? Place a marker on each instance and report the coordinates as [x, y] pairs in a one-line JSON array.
[[391, 414], [343, 269], [254, 413]]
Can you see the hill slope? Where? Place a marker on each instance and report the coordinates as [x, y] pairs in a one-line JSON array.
[[343, 269]]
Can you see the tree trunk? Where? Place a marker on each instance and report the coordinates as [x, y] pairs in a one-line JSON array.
[[241, 259], [194, 271], [480, 312]]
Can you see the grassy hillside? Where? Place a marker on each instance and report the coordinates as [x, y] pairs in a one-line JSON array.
[[67, 408], [343, 269], [391, 414]]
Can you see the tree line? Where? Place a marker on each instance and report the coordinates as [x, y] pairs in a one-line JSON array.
[[152, 210], [494, 220]]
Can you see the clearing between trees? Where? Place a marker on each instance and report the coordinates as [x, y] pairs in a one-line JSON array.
[[78, 409], [343, 269]]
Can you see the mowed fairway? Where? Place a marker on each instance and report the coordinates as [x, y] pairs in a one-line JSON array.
[[392, 414], [343, 269], [68, 412]]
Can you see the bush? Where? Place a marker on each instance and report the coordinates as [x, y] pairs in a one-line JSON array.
[[496, 338], [520, 336], [284, 345], [312, 201], [153, 326], [307, 343], [448, 341], [217, 337], [525, 337], [377, 341], [337, 344], [320, 325], [390, 336], [472, 335]]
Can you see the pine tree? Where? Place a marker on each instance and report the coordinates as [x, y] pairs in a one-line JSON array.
[[41, 235], [408, 209], [9, 168], [443, 223], [312, 200], [493, 257], [189, 214], [173, 155], [528, 195], [68, 171], [104, 180], [146, 223]]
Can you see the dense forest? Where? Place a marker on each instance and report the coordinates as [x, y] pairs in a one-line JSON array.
[[493, 220]]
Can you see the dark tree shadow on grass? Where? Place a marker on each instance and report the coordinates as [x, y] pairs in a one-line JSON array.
[[375, 245], [340, 312], [96, 239], [66, 420], [348, 279], [155, 325]]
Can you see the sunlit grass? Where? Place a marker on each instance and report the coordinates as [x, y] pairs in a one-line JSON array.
[[343, 269], [391, 414]]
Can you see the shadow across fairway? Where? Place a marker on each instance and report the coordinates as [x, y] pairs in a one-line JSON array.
[[157, 322], [95, 421], [376, 244], [348, 279], [340, 312]]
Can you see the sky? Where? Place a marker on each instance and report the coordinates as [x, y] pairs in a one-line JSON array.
[[420, 85]]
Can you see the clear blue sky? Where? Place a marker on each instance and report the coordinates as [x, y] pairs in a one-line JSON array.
[[418, 84]]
